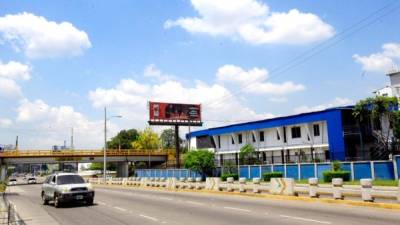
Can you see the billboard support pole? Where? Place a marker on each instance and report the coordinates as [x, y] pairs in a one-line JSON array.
[[177, 147]]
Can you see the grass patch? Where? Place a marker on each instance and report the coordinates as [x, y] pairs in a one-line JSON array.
[[357, 182]]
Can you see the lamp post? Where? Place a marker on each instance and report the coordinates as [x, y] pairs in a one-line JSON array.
[[105, 142]]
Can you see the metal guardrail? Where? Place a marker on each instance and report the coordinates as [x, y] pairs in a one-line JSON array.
[[80, 153]]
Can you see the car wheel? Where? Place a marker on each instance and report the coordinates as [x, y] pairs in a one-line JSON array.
[[44, 200], [89, 202], [56, 201]]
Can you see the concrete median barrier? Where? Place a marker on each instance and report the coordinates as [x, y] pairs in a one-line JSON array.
[[337, 185], [282, 186], [313, 187], [256, 185], [366, 190], [242, 183]]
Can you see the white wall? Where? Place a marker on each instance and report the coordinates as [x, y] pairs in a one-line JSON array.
[[270, 138]]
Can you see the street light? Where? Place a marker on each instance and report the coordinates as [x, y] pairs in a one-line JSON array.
[[105, 142]]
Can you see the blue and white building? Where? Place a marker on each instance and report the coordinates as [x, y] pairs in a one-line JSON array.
[[331, 134]]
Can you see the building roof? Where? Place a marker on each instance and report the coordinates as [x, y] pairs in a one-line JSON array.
[[272, 122]]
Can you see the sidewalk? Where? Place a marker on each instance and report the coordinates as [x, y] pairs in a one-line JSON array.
[[31, 212]]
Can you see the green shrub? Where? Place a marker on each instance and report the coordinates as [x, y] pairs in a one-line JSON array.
[[268, 176], [226, 175], [336, 166], [329, 175]]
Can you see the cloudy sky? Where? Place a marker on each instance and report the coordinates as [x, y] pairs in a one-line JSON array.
[[62, 62]]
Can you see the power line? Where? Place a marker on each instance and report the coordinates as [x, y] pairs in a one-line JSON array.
[[349, 31]]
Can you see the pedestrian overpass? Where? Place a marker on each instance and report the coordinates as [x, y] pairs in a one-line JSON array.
[[121, 157]]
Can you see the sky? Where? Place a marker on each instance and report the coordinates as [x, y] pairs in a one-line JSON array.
[[62, 62]]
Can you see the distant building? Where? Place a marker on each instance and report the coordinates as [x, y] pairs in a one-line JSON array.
[[331, 134], [393, 90]]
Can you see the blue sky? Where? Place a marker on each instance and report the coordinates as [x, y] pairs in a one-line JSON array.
[[124, 53]]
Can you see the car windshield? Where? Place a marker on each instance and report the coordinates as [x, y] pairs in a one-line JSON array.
[[70, 179], [13, 179], [32, 178]]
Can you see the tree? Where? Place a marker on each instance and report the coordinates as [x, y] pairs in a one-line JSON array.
[[168, 138], [147, 139], [123, 140], [247, 154], [99, 166], [375, 109], [201, 161]]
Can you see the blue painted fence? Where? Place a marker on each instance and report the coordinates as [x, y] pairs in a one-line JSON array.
[[388, 170]]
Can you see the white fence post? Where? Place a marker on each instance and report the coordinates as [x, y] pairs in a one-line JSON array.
[[396, 175], [372, 170], [298, 171], [315, 170]]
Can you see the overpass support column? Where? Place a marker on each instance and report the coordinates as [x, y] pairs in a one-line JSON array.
[[3, 172], [122, 169]]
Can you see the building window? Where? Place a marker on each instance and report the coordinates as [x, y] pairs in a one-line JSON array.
[[254, 138], [240, 138], [261, 136], [296, 132], [278, 137], [233, 141], [219, 141], [316, 130]]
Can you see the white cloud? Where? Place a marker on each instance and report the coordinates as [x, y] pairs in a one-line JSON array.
[[255, 81], [252, 21], [381, 61], [15, 70], [9, 88], [51, 125], [153, 72], [133, 105], [39, 38], [5, 122], [127, 92], [335, 103]]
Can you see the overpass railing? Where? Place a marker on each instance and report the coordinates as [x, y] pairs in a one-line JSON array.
[[110, 152]]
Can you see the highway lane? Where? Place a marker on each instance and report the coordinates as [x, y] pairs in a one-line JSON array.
[[136, 206]]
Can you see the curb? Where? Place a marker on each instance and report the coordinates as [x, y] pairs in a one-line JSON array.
[[391, 206]]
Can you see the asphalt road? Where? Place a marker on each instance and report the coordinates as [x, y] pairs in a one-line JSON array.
[[114, 206]]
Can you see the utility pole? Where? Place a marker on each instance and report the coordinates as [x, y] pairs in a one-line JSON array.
[[105, 145], [16, 143], [72, 138], [177, 147]]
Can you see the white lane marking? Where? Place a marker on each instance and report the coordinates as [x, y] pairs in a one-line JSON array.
[[305, 219], [165, 198], [148, 217], [101, 203], [119, 208], [237, 209], [194, 203]]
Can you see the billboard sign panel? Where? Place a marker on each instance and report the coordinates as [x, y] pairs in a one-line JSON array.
[[174, 113]]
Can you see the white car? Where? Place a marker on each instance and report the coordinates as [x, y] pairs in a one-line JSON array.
[[12, 182], [31, 180]]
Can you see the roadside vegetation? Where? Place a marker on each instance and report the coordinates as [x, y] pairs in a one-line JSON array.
[[200, 160], [3, 186]]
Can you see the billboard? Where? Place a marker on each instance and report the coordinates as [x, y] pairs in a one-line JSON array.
[[162, 113]]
